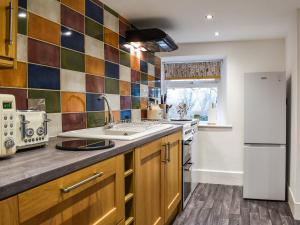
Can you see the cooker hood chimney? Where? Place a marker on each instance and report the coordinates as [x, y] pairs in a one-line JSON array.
[[153, 40]]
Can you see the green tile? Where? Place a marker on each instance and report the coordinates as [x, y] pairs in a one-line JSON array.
[[111, 86], [72, 60], [52, 99], [93, 29], [136, 102], [144, 78], [111, 11], [124, 59], [22, 22], [95, 119]]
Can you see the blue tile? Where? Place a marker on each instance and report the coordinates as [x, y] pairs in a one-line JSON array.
[[93, 104], [135, 89], [126, 115], [23, 3], [72, 39], [43, 77], [112, 70], [94, 11], [143, 66]]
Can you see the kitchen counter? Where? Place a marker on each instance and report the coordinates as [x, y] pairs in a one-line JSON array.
[[30, 168]]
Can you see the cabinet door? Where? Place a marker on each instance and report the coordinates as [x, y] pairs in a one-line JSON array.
[[9, 211], [149, 171], [8, 31], [97, 201], [173, 175]]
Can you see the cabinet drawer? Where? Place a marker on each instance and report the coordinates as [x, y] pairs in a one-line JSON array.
[[90, 195]]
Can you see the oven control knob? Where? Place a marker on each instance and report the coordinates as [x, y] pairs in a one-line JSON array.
[[9, 143], [40, 131], [29, 132]]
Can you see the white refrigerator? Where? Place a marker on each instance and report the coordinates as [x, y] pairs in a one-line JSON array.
[[265, 136]]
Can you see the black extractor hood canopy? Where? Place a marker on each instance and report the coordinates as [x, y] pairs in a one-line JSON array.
[[153, 40]]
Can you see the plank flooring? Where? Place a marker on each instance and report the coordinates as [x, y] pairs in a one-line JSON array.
[[214, 204]]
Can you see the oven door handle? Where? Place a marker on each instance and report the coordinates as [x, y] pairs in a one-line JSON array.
[[188, 142], [188, 166]]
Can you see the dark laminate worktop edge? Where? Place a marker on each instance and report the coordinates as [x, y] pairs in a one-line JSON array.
[[44, 177]]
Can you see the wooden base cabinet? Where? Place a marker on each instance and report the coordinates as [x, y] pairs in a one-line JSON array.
[[158, 180], [9, 211], [141, 187], [173, 175], [149, 178], [94, 195]]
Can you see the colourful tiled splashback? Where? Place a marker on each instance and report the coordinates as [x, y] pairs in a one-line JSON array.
[[69, 52]]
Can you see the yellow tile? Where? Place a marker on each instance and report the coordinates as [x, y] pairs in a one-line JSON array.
[[72, 102], [14, 78]]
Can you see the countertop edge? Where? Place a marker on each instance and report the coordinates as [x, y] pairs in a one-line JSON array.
[[42, 178]]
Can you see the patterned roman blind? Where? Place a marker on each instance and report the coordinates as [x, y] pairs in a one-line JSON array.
[[195, 70]]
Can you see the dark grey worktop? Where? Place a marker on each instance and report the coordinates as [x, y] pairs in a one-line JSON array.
[[28, 169]]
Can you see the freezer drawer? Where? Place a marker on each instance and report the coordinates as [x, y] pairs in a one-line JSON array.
[[264, 172]]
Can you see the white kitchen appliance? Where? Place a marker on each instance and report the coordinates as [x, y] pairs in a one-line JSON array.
[[8, 125], [265, 136], [32, 128]]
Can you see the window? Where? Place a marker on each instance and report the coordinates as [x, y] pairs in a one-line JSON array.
[[198, 95]]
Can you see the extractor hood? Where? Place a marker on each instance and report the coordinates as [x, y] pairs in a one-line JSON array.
[[153, 40]]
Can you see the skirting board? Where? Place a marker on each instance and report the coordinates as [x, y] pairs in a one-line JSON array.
[[295, 206], [217, 177]]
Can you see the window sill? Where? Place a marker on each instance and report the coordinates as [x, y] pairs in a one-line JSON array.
[[206, 125]]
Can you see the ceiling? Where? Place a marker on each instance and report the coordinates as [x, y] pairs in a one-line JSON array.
[[184, 20]]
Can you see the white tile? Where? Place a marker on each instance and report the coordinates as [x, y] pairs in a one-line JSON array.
[[114, 101], [72, 81], [143, 90], [111, 22], [55, 125], [136, 115], [94, 47], [125, 73], [22, 48], [151, 69], [49, 9]]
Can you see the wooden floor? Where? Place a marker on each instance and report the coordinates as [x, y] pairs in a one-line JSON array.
[[213, 204]]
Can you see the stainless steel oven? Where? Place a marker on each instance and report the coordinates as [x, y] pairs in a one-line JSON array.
[[187, 171], [189, 134]]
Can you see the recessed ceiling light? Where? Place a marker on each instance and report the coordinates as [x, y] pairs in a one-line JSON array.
[[217, 34], [209, 17]]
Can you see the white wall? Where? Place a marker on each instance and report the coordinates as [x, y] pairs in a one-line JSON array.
[[292, 68], [219, 158]]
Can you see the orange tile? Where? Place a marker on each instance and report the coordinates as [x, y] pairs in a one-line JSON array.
[[77, 5], [43, 29], [72, 102], [151, 81], [94, 66], [14, 78], [111, 38], [116, 115], [144, 103], [134, 63], [125, 88]]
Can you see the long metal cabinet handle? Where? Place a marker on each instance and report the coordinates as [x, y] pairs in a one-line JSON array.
[[10, 10], [169, 153], [74, 186], [165, 157]]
